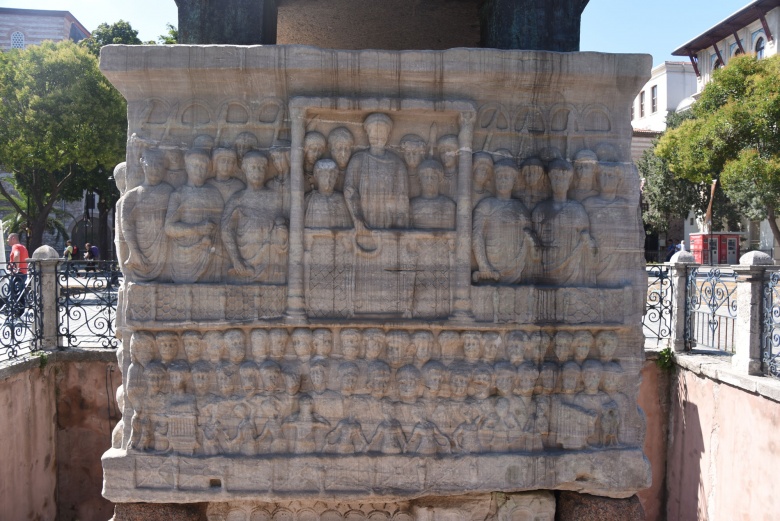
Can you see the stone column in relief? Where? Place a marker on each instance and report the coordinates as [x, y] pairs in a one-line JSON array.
[[295, 299], [462, 300]]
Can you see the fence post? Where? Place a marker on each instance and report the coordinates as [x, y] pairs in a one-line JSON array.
[[49, 302], [678, 274], [750, 298]]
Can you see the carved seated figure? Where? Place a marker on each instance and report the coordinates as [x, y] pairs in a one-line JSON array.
[[254, 229], [314, 147], [563, 228], [192, 224], [449, 148], [432, 211], [324, 207], [413, 149], [502, 239], [585, 167], [142, 214], [376, 186], [592, 400]]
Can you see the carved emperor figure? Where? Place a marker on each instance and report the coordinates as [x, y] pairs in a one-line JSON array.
[[376, 185], [502, 239], [142, 214]]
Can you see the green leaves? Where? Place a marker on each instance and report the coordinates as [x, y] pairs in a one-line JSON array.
[[734, 135]]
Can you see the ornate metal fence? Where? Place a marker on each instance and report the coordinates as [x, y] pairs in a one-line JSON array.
[[770, 320], [657, 321], [710, 308], [86, 303], [21, 311]]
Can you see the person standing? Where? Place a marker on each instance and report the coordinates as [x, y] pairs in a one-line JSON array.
[[68, 253], [91, 255], [17, 266]]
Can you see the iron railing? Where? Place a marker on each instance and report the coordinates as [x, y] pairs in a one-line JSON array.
[[21, 311], [770, 322], [657, 320], [86, 303], [710, 308]]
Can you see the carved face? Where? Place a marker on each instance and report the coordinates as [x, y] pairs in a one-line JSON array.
[[505, 382], [610, 380], [585, 171], [235, 348], [326, 179], [581, 348], [607, 342], [254, 167], [142, 348], [224, 164], [279, 341], [414, 152], [481, 173], [378, 132], [302, 345], [193, 347], [560, 179], [197, 169], [177, 379], [154, 167], [533, 174], [423, 347], [249, 378], [318, 378], [259, 341], [482, 383], [225, 382], [314, 148], [157, 377], [570, 379], [471, 346], [292, 383], [505, 179], [396, 351], [270, 376], [340, 151], [375, 343], [608, 180], [591, 379], [323, 342], [526, 379], [378, 382], [350, 347], [168, 346], [201, 381], [349, 381], [429, 182], [515, 347], [434, 376], [563, 347], [408, 385], [448, 154], [281, 161], [490, 347], [459, 385]]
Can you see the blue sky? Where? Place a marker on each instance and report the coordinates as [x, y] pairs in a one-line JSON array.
[[655, 27]]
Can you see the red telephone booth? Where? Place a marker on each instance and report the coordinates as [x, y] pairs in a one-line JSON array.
[[715, 247]]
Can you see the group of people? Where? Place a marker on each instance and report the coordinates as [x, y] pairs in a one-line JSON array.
[[91, 255], [385, 392]]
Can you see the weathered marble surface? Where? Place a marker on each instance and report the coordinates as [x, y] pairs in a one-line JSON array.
[[386, 275]]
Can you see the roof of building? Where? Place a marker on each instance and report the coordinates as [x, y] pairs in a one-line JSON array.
[[745, 16], [45, 12]]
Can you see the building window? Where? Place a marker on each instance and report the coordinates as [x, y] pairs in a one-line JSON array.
[[760, 48], [17, 40], [642, 104], [632, 112], [654, 99]]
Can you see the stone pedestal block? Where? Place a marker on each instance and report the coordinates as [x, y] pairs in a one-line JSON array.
[[584, 507]]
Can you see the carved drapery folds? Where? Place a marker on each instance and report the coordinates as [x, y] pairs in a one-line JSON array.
[[345, 279]]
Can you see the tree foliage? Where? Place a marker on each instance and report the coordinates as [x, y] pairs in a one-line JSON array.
[[734, 135], [60, 122], [120, 32], [171, 37], [669, 196]]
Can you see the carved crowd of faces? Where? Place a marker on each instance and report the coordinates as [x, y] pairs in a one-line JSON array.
[[208, 214], [347, 391]]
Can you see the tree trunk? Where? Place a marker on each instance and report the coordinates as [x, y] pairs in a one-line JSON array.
[[103, 237], [35, 233], [770, 215]]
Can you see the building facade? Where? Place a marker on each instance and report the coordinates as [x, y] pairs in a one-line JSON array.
[[22, 27]]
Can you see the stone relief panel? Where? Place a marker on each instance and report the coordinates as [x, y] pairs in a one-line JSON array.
[[377, 275], [385, 393]]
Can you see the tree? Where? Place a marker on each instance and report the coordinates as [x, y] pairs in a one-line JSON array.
[[668, 196], [734, 135], [60, 120], [118, 32], [171, 37]]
